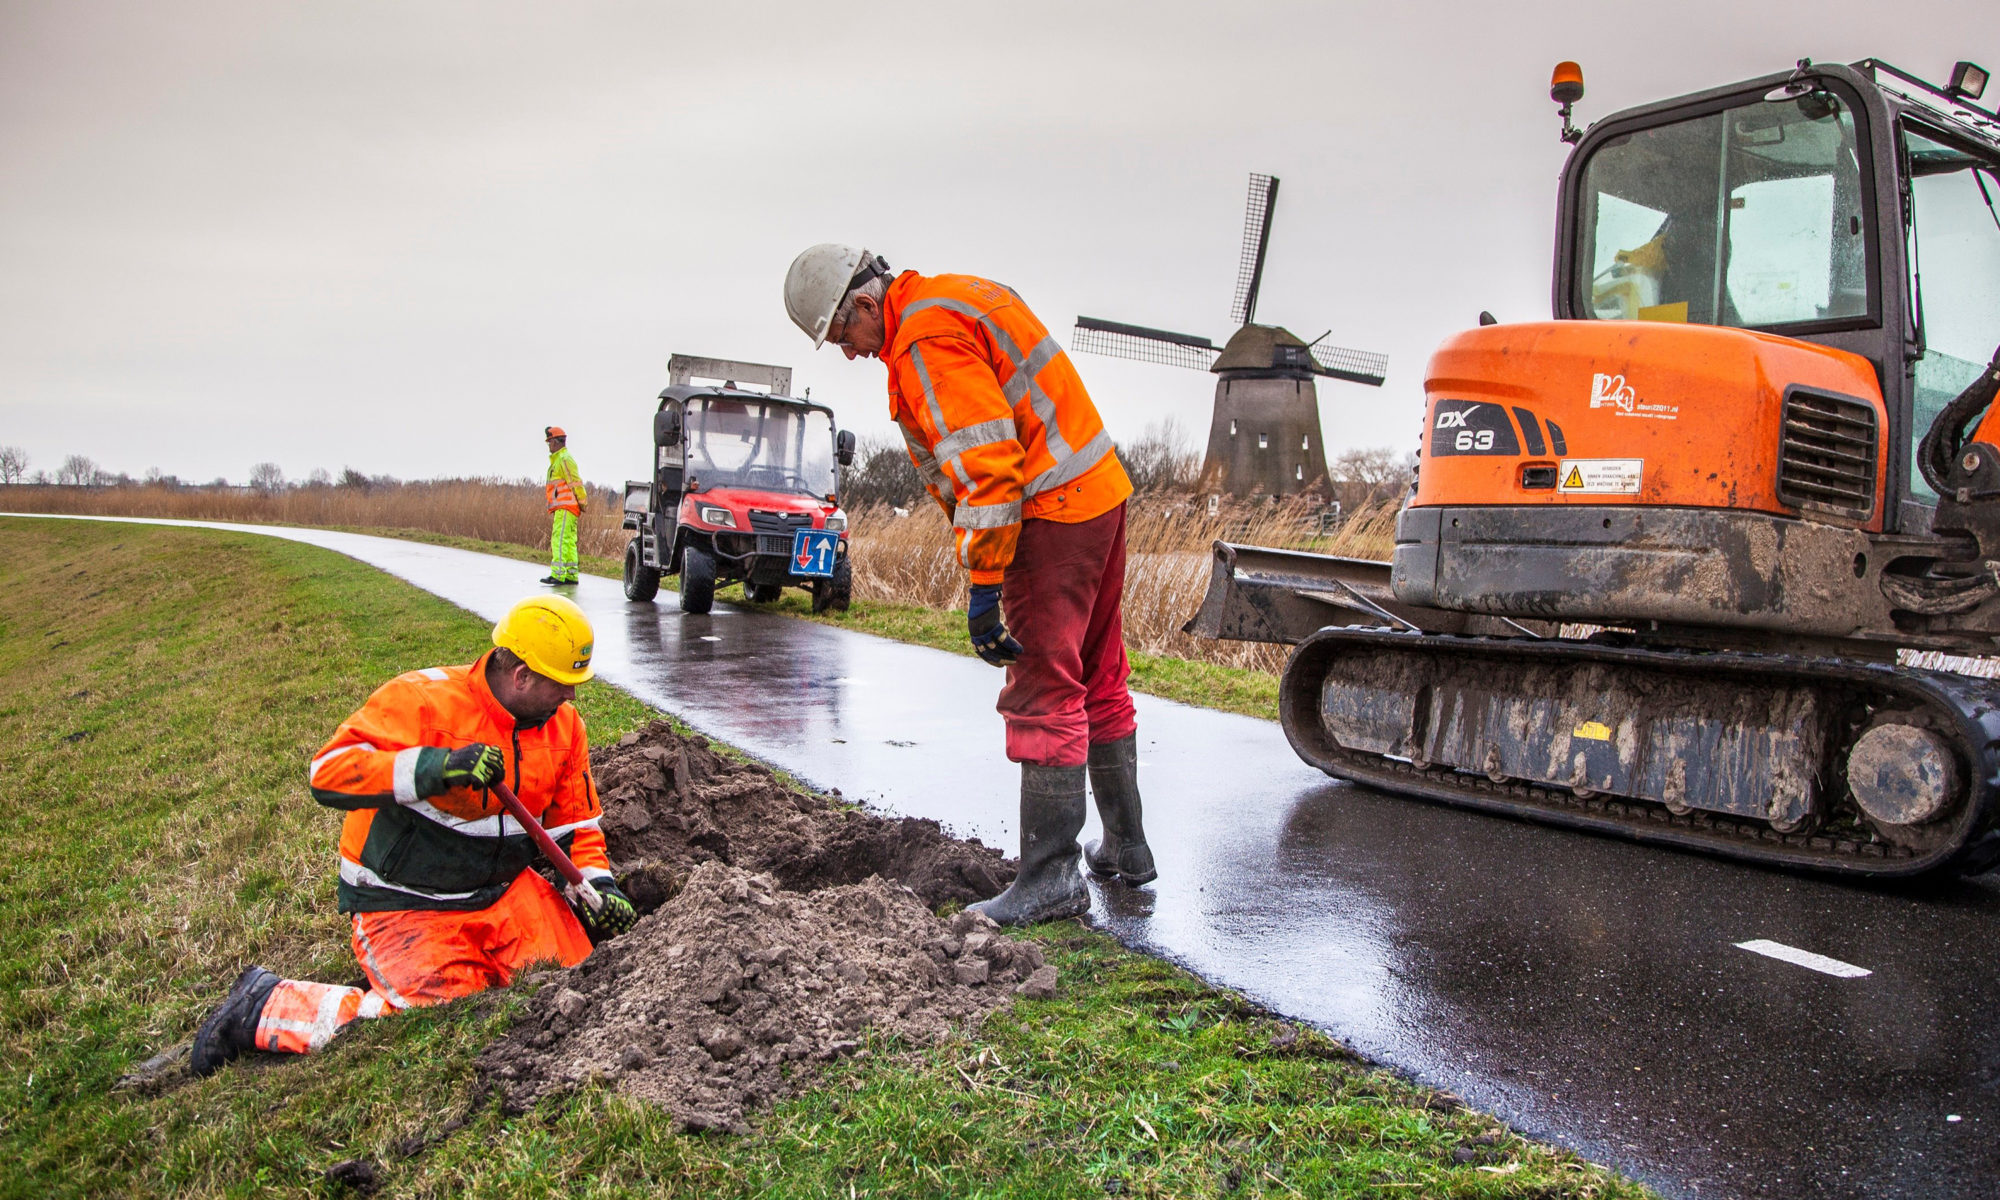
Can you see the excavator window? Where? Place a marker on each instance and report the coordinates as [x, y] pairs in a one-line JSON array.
[[1750, 216], [1954, 234]]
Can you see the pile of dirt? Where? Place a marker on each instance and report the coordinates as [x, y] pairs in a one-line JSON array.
[[781, 928], [672, 802], [726, 996]]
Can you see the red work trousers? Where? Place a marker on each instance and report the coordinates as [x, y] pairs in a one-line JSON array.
[[415, 957], [1061, 595]]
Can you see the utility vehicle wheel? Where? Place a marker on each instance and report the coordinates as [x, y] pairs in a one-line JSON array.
[[843, 585], [642, 582], [697, 579], [761, 593]]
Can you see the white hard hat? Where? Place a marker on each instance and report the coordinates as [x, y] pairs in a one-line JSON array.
[[820, 279]]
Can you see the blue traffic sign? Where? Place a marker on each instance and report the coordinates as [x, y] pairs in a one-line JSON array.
[[814, 552]]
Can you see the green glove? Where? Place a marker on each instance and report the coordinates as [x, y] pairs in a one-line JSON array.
[[475, 766], [614, 918]]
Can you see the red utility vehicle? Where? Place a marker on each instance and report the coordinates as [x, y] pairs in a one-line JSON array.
[[745, 487]]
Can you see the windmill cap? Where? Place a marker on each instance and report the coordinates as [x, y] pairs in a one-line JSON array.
[[1265, 348]]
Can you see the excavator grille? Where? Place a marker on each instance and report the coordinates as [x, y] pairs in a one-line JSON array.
[[1826, 454]]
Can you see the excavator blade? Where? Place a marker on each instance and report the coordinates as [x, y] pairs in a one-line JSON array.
[[1264, 594]]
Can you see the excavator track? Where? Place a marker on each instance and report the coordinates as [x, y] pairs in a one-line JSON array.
[[1600, 737]]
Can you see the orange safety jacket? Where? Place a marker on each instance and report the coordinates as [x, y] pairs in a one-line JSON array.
[[995, 417], [405, 844], [564, 487]]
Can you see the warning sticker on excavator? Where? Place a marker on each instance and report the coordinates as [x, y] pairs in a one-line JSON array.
[[1603, 476], [1596, 731]]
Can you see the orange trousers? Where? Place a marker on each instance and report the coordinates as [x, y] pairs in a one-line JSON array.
[[426, 956]]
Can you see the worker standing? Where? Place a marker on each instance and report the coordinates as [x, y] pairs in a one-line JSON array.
[[1007, 440], [439, 882], [567, 500]]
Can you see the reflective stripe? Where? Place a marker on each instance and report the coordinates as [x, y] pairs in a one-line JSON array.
[[493, 826], [987, 516], [930, 396], [927, 466], [330, 755], [368, 962], [986, 433], [1025, 370], [405, 776], [1026, 367], [437, 673], [355, 875], [1069, 468], [556, 831], [373, 1003]]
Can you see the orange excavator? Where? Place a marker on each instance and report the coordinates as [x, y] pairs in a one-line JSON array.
[[1708, 560]]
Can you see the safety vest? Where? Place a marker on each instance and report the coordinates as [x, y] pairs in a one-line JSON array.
[[995, 417], [564, 488], [457, 849]]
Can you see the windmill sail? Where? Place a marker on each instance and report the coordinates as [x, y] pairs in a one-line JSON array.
[[1145, 345], [1354, 366], [1256, 239]]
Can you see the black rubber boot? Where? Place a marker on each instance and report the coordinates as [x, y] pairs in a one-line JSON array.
[[1114, 781], [232, 1027], [1049, 886]]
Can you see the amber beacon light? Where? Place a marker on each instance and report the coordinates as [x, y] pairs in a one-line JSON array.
[[1566, 88]]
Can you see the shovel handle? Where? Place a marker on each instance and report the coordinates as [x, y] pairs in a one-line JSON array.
[[578, 885]]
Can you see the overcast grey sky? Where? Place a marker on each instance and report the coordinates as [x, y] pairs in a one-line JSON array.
[[405, 236]]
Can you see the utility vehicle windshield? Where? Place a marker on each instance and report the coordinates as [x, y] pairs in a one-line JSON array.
[[1954, 232], [1750, 216], [776, 447]]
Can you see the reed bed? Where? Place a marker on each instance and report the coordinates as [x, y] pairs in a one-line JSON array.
[[493, 510], [897, 559], [1168, 541]]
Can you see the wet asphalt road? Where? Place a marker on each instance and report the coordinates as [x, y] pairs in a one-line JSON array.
[[1586, 990]]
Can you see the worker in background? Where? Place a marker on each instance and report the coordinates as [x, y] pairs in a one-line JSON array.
[[567, 500], [440, 884], [1008, 442]]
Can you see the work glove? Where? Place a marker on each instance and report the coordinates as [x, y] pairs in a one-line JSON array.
[[990, 639], [475, 766], [614, 918]]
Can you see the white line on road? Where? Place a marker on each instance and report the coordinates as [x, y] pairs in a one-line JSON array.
[[1804, 958]]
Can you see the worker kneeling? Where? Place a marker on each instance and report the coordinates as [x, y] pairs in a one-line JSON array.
[[439, 880]]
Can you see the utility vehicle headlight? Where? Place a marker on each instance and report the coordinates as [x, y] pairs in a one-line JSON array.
[[836, 520], [717, 516]]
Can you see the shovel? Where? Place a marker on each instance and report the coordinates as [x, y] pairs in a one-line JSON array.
[[579, 888]]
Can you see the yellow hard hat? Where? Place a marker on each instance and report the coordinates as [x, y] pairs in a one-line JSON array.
[[551, 635]]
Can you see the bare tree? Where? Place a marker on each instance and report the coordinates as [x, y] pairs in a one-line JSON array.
[[268, 478], [351, 478], [13, 464], [1163, 459], [881, 474], [1371, 473], [77, 471], [319, 478]]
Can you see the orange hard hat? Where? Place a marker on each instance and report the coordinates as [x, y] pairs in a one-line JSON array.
[[554, 431]]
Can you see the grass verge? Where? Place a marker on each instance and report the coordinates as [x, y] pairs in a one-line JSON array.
[[156, 835]]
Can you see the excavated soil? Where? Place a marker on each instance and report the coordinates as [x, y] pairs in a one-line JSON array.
[[781, 929], [672, 802]]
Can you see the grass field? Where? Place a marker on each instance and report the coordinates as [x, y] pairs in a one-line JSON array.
[[163, 690]]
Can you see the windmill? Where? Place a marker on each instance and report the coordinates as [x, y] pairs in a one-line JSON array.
[[1265, 436]]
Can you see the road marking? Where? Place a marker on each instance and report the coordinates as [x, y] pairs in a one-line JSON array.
[[1804, 958]]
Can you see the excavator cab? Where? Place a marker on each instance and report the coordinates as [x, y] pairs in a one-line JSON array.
[[1850, 207], [1683, 564]]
